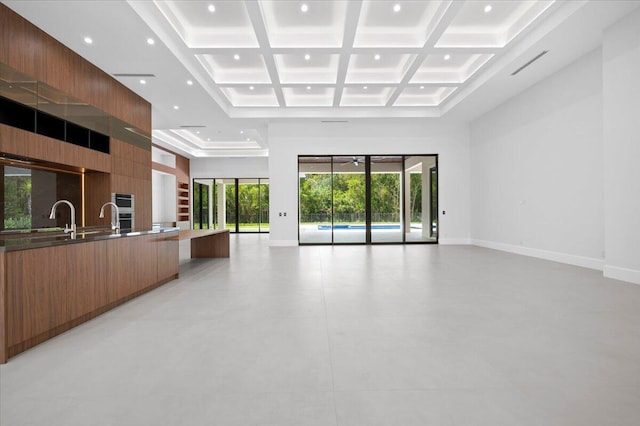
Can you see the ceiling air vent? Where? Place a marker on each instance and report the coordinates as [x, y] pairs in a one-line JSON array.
[[334, 121], [538, 56], [193, 127], [119, 74]]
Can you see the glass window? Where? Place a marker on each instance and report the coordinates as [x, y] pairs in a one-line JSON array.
[[316, 212], [264, 205], [29, 194], [248, 205], [368, 199], [386, 199], [239, 205], [349, 199]]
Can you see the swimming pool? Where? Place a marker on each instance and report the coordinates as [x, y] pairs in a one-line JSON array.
[[346, 226]]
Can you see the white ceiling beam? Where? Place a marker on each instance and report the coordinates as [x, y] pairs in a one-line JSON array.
[[350, 26], [449, 12], [253, 9]]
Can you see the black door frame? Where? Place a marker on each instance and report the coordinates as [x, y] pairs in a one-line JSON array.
[[368, 213], [236, 185]]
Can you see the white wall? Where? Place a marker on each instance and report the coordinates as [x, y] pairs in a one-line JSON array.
[[450, 141], [163, 197], [249, 167], [621, 51], [536, 169]]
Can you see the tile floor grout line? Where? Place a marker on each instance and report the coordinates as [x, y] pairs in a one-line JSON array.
[[326, 321]]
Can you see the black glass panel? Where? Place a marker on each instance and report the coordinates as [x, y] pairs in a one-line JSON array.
[[48, 125], [77, 135], [17, 115]]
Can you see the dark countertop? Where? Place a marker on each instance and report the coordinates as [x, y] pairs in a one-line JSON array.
[[15, 241]]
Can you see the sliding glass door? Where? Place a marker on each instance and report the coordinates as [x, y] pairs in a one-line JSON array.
[[386, 199], [420, 208], [263, 205], [362, 199], [202, 203], [349, 188], [248, 209], [239, 205], [316, 200]]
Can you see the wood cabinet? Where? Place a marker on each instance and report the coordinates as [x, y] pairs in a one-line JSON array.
[[31, 51], [46, 291]]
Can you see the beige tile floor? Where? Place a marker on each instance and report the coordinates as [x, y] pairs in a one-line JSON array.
[[349, 335]]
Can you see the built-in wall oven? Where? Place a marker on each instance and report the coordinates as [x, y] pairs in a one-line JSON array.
[[126, 206]]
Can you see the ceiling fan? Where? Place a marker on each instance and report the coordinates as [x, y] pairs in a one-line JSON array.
[[354, 160]]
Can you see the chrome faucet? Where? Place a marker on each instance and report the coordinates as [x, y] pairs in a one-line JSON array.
[[67, 229], [115, 223]]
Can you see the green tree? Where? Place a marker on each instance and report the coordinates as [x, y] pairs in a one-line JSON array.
[[416, 196], [17, 202]]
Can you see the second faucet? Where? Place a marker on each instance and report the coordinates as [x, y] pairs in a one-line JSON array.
[[115, 222]]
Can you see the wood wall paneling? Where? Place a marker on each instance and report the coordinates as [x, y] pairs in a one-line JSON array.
[[30, 145], [31, 51], [132, 175], [97, 190], [61, 65], [20, 44], [182, 169]]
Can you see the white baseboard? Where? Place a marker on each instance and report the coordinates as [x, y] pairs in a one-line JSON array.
[[283, 243], [582, 261], [622, 274], [453, 241]]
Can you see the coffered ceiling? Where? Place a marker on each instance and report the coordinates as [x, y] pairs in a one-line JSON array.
[[275, 58], [218, 72]]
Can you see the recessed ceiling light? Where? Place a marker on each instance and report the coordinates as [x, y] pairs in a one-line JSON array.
[[377, 57], [208, 139], [447, 57], [143, 81], [304, 7], [176, 107], [421, 87], [197, 132], [396, 7], [190, 83], [236, 57], [488, 8], [307, 57], [211, 8], [365, 87], [248, 139], [308, 87], [151, 41], [251, 87], [242, 132], [88, 40]]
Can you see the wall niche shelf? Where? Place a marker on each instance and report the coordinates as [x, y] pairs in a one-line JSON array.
[[183, 201]]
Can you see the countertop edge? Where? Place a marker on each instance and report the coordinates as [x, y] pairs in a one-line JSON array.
[[17, 244]]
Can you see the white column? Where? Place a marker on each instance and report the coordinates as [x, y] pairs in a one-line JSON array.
[[407, 202], [211, 204], [426, 202], [222, 206]]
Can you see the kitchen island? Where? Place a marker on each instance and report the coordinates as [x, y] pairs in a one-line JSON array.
[[207, 242], [50, 284]]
